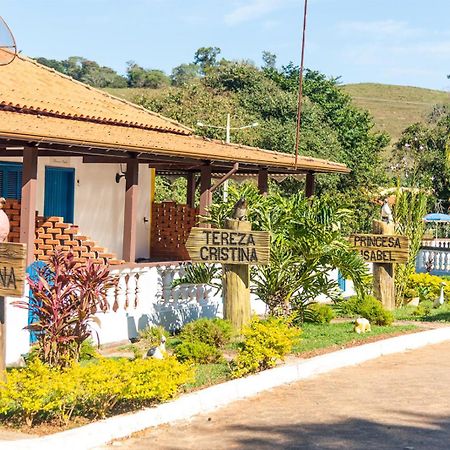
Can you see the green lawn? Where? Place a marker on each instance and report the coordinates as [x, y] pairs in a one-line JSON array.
[[209, 374], [424, 313], [335, 335], [314, 337]]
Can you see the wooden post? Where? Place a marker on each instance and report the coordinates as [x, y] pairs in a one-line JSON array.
[[28, 202], [236, 285], [263, 185], [152, 200], [2, 338], [205, 191], [130, 211], [310, 185], [190, 194], [383, 273]]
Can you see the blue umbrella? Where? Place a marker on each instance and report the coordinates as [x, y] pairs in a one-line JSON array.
[[437, 217]]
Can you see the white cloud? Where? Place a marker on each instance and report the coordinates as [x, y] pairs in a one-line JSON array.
[[251, 10], [382, 28]]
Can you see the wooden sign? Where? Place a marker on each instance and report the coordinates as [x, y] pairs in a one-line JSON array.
[[12, 269], [210, 245], [381, 248]]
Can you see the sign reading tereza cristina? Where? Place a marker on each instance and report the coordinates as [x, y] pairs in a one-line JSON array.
[[381, 248], [210, 245]]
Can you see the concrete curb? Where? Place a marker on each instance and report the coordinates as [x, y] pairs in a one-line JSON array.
[[209, 399]]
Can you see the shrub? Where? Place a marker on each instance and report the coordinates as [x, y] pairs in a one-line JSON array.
[[319, 313], [66, 297], [153, 335], [197, 352], [39, 393], [368, 307], [428, 286], [265, 342], [88, 350], [214, 332]]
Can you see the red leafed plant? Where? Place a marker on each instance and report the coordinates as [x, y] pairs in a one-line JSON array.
[[66, 297]]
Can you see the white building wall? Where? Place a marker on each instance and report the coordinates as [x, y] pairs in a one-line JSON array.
[[99, 201], [17, 339]]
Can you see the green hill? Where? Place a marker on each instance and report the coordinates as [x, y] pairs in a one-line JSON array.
[[395, 107]]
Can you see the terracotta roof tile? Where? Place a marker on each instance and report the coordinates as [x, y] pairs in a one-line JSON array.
[[27, 85], [39, 104]]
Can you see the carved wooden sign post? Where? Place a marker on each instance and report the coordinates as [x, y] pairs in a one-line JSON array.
[[12, 284], [379, 248], [383, 249], [236, 247]]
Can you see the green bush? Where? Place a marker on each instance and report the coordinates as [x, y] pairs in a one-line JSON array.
[[368, 307], [265, 342], [427, 286], [152, 335], [197, 352], [319, 313], [214, 332], [88, 350], [39, 393]]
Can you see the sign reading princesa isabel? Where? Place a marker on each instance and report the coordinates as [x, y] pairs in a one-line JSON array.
[[210, 245], [12, 269], [381, 248]]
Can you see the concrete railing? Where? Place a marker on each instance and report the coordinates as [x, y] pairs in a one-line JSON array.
[[433, 259], [144, 295]]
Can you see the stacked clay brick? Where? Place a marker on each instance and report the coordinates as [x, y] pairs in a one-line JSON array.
[[54, 233], [171, 225], [12, 210]]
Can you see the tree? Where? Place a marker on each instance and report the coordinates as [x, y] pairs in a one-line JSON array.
[[269, 60], [420, 157], [87, 71], [140, 77], [307, 241], [206, 57], [184, 74]]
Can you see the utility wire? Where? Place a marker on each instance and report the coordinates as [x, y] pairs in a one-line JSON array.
[[300, 87]]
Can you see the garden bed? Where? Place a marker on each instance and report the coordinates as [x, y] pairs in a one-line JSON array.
[[315, 340]]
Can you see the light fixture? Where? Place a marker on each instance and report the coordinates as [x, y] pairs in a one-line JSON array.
[[120, 174]]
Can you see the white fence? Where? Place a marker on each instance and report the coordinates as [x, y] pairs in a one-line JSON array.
[[434, 257], [143, 296]]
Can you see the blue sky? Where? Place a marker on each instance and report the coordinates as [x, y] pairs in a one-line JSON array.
[[395, 41]]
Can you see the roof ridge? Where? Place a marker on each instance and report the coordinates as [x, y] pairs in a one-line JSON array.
[[104, 93]]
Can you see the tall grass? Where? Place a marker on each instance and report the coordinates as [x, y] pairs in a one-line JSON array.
[[410, 208]]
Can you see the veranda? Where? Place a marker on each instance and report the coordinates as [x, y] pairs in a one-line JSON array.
[[49, 122]]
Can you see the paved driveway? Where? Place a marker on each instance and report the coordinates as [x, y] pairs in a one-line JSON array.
[[395, 402]]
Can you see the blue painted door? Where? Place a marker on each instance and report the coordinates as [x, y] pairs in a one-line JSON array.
[[59, 192], [341, 281]]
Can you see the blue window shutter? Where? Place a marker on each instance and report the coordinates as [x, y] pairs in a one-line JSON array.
[[11, 180]]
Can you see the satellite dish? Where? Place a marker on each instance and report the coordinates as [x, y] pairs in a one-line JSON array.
[[8, 47]]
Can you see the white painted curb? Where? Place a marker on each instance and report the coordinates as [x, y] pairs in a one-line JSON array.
[[209, 399]]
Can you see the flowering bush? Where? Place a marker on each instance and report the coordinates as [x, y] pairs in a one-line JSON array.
[[428, 287], [265, 342], [66, 297], [40, 393]]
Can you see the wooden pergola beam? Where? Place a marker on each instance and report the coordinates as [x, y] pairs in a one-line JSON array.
[[191, 188], [130, 211], [263, 181], [28, 203], [310, 185]]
